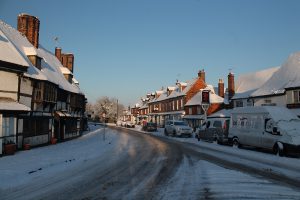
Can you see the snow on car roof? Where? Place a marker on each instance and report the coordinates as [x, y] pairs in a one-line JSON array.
[[278, 113]]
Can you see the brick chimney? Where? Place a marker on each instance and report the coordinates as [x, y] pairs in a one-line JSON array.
[[201, 75], [67, 61], [231, 90], [221, 88], [29, 26], [58, 53]]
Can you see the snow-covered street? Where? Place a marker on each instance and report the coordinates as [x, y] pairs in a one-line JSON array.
[[135, 165]]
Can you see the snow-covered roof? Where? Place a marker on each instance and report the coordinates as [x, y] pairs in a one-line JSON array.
[[197, 99], [20, 48], [23, 49], [51, 68], [75, 81], [65, 70], [11, 105], [248, 83], [287, 76], [8, 51]]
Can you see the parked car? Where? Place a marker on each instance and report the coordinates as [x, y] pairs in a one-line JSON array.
[[123, 123], [150, 126], [178, 128], [268, 127], [130, 124], [119, 123], [214, 129]]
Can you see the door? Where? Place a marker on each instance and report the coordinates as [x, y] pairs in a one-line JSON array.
[[269, 138]]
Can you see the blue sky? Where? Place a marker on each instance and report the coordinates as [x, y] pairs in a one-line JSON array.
[[127, 48]]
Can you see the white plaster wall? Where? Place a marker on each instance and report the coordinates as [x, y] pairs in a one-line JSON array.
[[26, 101], [8, 81], [289, 97], [36, 140], [278, 100], [9, 95], [26, 86]]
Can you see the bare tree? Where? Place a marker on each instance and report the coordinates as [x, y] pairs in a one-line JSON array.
[[109, 107]]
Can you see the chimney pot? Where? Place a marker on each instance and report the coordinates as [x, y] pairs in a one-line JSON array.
[[231, 90], [201, 75], [29, 26], [58, 53], [221, 88]]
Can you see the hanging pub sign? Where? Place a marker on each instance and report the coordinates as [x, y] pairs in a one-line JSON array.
[[205, 97]]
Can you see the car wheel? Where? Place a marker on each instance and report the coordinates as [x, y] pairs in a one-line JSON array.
[[278, 149], [174, 133], [235, 143], [166, 132]]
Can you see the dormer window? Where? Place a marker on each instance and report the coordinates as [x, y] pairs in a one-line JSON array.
[[36, 61]]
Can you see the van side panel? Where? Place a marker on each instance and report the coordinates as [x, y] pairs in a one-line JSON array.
[[247, 128]]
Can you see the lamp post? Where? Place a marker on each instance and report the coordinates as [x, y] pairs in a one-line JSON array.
[[117, 111]]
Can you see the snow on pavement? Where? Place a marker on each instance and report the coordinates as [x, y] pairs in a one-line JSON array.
[[203, 179], [25, 166]]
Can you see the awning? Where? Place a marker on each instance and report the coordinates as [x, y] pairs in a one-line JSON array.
[[62, 114]]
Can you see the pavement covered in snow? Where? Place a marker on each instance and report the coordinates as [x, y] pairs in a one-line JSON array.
[[193, 178]]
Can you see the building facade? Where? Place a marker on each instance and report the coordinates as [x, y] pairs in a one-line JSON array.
[[50, 104]]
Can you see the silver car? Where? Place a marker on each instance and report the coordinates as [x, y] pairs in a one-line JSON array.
[[178, 128]]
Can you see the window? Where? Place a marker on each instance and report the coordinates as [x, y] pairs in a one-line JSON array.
[[190, 111], [8, 126], [217, 124], [208, 124], [268, 101], [239, 103], [32, 127], [199, 110], [38, 92], [296, 96]]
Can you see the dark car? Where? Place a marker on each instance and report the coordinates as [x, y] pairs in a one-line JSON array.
[[150, 126]]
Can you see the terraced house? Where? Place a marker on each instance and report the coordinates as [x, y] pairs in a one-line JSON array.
[[39, 99], [170, 102]]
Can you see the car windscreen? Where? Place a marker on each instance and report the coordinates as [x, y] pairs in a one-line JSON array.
[[180, 123], [151, 124]]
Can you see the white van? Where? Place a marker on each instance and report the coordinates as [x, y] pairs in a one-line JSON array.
[[268, 127]]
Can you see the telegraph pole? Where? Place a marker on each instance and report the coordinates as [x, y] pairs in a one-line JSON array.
[[117, 110]]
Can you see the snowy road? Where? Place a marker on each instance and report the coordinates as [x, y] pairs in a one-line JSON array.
[[129, 165]]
